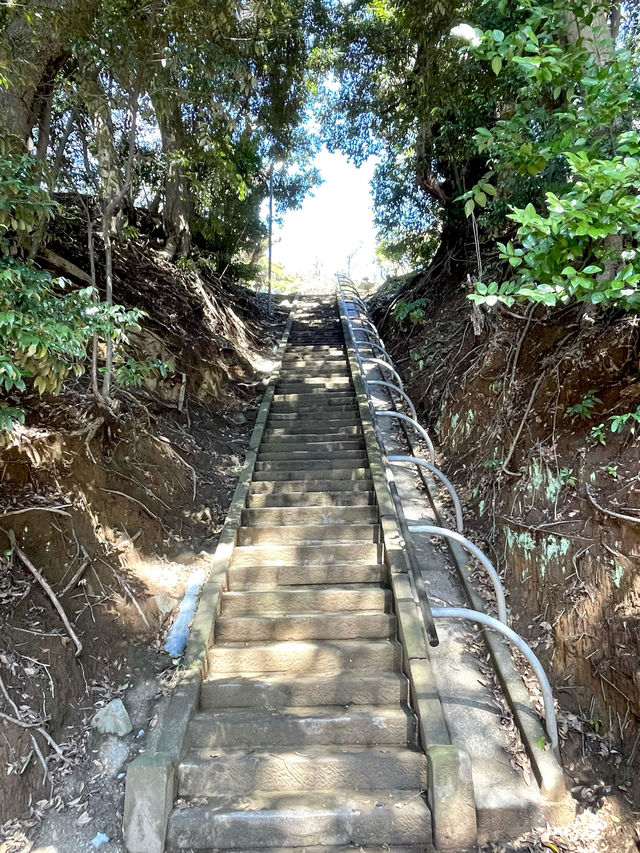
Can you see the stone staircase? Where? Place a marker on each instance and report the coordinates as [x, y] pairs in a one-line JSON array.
[[302, 736]]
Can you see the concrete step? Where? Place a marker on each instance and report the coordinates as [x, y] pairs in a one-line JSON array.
[[303, 554], [345, 472], [309, 498], [347, 768], [305, 658], [338, 375], [331, 419], [315, 403], [307, 486], [304, 351], [308, 533], [301, 382], [318, 396], [332, 514], [348, 433], [272, 692], [309, 460], [297, 599], [271, 577], [284, 447], [306, 626], [302, 820], [305, 726]]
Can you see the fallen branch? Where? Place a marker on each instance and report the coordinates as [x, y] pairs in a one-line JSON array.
[[57, 509], [520, 428], [134, 601], [16, 722], [45, 586], [163, 440], [130, 498], [610, 512], [74, 580]]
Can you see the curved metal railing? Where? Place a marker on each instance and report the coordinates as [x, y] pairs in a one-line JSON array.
[[500, 624]]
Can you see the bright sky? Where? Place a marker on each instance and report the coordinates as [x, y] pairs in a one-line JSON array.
[[337, 221]]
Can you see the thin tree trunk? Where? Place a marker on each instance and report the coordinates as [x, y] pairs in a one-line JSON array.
[[178, 207]]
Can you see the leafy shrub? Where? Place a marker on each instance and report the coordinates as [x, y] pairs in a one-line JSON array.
[[45, 324], [572, 131]]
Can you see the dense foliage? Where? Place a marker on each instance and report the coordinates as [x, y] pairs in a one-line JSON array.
[[488, 114], [176, 105]]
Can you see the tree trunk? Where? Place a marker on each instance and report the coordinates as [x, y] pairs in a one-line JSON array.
[[178, 207], [33, 48]]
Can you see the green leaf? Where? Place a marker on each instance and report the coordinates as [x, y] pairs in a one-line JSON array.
[[496, 65], [469, 206]]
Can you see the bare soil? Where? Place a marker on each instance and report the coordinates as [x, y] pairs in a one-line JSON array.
[[115, 513]]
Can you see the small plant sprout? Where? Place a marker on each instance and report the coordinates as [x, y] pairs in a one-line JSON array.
[[567, 476], [584, 409]]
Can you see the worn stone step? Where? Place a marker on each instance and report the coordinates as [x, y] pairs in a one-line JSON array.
[[309, 498], [280, 447], [271, 577], [364, 484], [303, 554], [316, 367], [345, 768], [275, 691], [295, 423], [302, 726], [331, 514], [305, 658], [272, 692], [348, 432], [305, 377], [317, 397], [296, 599], [275, 536], [320, 409], [284, 460], [347, 625], [317, 351], [345, 472], [300, 383], [205, 773], [302, 820]]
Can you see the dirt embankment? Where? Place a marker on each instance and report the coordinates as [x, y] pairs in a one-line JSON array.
[[116, 513], [525, 406]]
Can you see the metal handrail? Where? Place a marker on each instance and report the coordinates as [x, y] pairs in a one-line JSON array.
[[550, 719], [473, 549], [402, 393], [428, 623], [375, 345], [392, 370], [385, 413], [368, 322], [416, 460], [500, 624]]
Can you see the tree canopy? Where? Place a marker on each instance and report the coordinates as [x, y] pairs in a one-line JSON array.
[[506, 134]]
